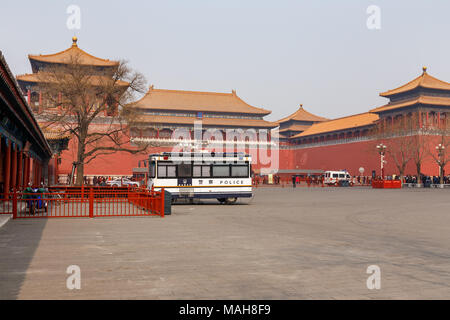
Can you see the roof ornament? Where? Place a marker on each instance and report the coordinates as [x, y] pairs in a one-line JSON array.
[[74, 41], [424, 69], [233, 92], [301, 105]]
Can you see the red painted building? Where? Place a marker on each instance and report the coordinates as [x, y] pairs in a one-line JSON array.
[[192, 120], [24, 150], [350, 142]]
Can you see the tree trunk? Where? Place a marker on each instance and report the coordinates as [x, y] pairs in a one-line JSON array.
[[80, 158], [80, 174], [419, 179]]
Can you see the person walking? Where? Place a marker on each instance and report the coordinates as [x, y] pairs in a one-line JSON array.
[[293, 181]]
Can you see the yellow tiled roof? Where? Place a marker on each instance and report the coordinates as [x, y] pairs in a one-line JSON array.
[[39, 77], [55, 135], [358, 120], [65, 56], [424, 80], [161, 99], [440, 101], [295, 127], [256, 123], [302, 115]]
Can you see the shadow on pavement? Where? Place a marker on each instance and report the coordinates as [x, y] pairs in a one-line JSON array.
[[19, 240]]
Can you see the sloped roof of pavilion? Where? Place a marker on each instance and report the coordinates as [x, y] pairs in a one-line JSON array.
[[180, 100], [54, 134], [66, 55], [424, 81], [296, 127], [206, 121], [425, 100], [302, 115], [349, 122], [40, 77]]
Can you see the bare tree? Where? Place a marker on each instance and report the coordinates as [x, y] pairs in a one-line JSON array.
[[93, 106], [418, 145], [440, 154], [396, 135]]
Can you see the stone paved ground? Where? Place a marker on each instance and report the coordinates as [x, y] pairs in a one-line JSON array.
[[285, 244]]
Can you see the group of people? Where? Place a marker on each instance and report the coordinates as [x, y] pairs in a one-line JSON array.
[[257, 179], [100, 180], [427, 179], [92, 181]]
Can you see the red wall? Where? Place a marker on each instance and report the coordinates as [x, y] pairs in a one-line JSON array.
[[350, 156]]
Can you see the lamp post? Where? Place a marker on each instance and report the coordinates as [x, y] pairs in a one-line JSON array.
[[440, 148], [382, 151]]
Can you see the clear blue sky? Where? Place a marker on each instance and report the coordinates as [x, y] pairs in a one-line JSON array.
[[276, 54]]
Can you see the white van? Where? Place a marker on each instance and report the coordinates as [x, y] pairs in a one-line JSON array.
[[333, 177]]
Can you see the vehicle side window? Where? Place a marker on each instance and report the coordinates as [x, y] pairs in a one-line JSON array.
[[335, 175], [221, 171], [341, 175], [202, 171], [184, 170], [206, 171], [171, 171], [162, 171], [197, 171], [165, 171], [239, 171], [152, 169]]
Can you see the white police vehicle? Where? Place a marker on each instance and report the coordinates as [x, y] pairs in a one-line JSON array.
[[204, 175]]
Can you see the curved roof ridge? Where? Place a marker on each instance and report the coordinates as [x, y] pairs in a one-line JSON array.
[[298, 113], [422, 81], [190, 91], [174, 103], [261, 109], [76, 49], [362, 119]]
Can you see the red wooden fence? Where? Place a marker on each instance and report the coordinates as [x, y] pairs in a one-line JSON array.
[[71, 202]]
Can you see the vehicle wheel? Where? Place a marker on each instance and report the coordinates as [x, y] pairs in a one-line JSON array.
[[230, 200], [222, 200]]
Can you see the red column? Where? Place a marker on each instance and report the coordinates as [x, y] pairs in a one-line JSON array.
[[41, 173], [55, 170], [26, 167], [20, 169], [7, 173], [33, 171], [37, 173], [14, 167], [29, 97], [426, 122], [439, 119]]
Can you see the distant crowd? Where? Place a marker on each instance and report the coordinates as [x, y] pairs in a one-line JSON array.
[[427, 179], [355, 180], [96, 180]]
